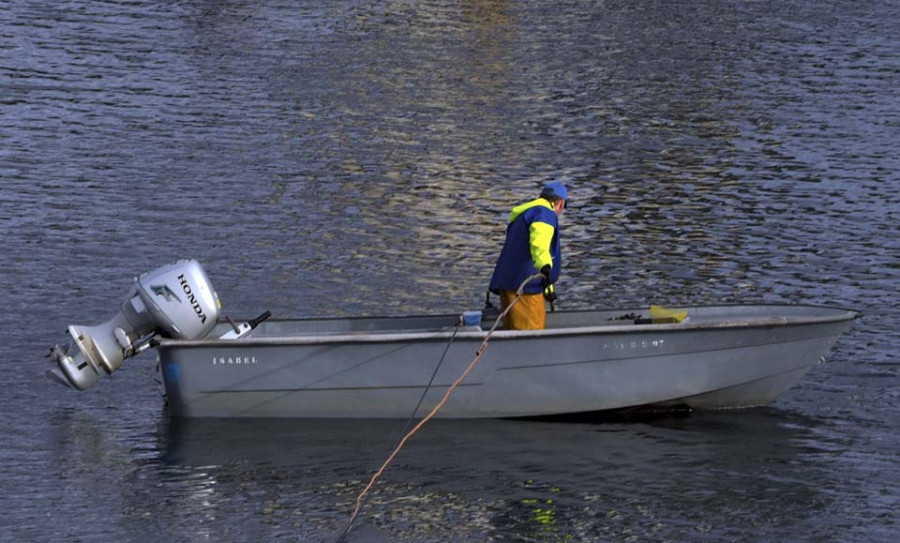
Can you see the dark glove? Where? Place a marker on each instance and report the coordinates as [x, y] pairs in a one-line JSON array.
[[545, 271], [550, 293]]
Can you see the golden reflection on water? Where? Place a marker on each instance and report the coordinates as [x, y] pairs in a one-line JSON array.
[[424, 158]]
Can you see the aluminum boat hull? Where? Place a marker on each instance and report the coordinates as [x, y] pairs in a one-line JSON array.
[[722, 357]]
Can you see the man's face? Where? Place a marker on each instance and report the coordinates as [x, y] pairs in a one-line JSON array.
[[559, 207]]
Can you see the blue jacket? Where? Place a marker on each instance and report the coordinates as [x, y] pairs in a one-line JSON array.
[[532, 241]]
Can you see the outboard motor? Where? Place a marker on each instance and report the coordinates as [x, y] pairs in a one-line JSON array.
[[175, 301]]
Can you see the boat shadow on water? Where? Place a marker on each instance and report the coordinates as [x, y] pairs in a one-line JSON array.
[[210, 441], [712, 460]]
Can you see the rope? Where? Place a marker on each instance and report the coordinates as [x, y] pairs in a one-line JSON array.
[[440, 404], [430, 381], [409, 421]]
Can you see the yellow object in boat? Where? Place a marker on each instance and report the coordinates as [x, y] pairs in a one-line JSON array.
[[661, 315]]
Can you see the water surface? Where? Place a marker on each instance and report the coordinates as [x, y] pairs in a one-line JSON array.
[[360, 158]]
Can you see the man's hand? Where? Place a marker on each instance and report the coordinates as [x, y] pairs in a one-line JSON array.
[[550, 293], [545, 271]]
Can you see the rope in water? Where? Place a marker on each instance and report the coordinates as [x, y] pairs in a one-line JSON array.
[[409, 421], [478, 354]]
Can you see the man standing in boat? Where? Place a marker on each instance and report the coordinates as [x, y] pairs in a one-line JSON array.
[[532, 245]]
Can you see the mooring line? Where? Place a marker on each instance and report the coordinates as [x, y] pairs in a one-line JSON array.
[[478, 354], [412, 416]]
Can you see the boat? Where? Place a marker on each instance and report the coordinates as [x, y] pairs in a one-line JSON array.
[[583, 362]]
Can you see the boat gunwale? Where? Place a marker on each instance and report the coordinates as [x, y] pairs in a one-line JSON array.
[[473, 333]]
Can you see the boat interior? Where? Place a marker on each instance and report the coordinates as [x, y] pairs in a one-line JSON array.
[[279, 327]]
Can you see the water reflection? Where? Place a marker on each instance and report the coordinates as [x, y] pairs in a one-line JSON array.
[[470, 480], [547, 481]]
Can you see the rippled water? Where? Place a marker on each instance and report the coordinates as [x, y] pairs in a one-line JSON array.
[[349, 158]]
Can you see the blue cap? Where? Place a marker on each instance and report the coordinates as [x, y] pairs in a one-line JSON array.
[[555, 188]]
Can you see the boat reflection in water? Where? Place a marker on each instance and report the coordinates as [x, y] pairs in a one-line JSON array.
[[477, 479]]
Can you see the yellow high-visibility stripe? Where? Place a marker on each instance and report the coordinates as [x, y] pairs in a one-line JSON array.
[[541, 234], [518, 210]]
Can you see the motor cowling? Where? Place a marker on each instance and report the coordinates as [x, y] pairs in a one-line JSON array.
[[175, 301]]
